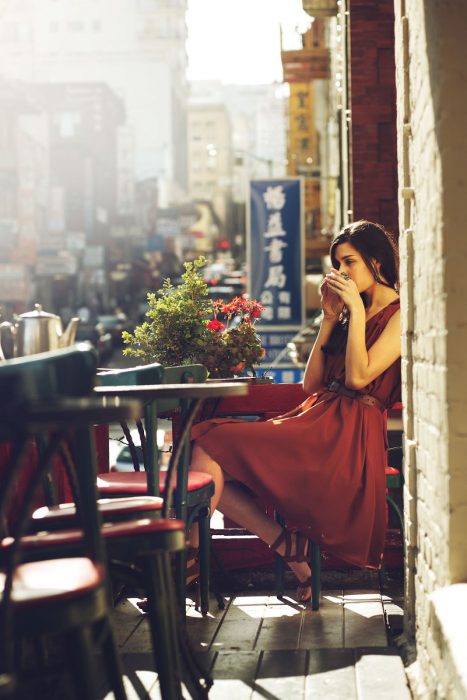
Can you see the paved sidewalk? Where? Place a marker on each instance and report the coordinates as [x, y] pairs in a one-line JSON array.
[[260, 647]]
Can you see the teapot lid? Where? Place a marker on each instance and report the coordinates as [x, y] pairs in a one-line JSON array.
[[37, 313]]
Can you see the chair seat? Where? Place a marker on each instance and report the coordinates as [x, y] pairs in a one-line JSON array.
[[392, 471], [54, 580], [393, 477], [136, 482], [110, 531], [64, 515]]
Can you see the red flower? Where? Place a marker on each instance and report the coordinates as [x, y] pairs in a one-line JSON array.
[[215, 325]]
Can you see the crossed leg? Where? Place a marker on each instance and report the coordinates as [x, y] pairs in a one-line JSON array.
[[238, 503]]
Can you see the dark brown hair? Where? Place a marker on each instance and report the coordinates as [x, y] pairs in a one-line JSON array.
[[374, 244]]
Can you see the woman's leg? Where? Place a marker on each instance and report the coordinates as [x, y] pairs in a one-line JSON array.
[[238, 503]]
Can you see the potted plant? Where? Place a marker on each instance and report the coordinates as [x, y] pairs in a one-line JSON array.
[[183, 327]]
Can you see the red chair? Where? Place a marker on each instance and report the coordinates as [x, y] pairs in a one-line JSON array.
[[68, 597], [142, 549], [193, 490]]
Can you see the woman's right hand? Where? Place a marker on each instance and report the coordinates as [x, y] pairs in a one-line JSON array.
[[331, 303]]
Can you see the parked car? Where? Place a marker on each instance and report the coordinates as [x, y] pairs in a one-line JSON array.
[[98, 336], [114, 324]]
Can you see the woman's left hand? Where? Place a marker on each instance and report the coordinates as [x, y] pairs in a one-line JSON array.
[[345, 288]]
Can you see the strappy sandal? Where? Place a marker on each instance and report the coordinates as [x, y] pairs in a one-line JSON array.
[[293, 540], [297, 541]]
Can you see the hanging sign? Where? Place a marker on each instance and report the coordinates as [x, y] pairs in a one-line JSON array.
[[275, 251]]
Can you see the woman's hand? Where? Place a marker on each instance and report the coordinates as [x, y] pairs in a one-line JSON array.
[[331, 303], [345, 289]]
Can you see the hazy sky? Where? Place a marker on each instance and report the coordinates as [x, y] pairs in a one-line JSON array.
[[238, 41]]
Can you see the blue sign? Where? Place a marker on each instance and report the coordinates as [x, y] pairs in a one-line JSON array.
[[275, 251]]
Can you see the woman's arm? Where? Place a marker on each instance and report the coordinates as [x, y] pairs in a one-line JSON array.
[[332, 307], [314, 370], [362, 366]]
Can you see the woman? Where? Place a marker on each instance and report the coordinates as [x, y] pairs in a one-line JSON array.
[[322, 464]]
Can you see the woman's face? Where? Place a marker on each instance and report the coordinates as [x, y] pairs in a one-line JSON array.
[[349, 260]]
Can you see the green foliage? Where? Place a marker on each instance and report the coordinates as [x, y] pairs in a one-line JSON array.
[[175, 328], [178, 330]]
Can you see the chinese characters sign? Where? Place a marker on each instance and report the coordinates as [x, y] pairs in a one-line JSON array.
[[275, 251]]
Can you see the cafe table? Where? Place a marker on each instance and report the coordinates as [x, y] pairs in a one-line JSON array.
[[190, 398]]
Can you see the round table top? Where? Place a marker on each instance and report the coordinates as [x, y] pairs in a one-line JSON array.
[[180, 391]]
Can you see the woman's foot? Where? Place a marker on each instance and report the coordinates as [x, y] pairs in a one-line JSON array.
[[293, 547]]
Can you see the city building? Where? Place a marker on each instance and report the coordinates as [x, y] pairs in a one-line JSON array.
[[238, 132], [210, 157], [24, 179], [137, 48]]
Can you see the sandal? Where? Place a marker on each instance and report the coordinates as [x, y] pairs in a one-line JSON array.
[[303, 593], [297, 541], [302, 547]]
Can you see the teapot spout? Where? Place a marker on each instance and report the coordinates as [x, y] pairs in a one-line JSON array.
[[69, 334]]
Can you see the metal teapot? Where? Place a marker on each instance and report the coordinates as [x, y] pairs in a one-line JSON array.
[[37, 331]]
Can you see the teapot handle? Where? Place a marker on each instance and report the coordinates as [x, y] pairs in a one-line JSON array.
[[12, 330]]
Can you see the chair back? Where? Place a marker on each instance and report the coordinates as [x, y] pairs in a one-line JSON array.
[[180, 374], [152, 374], [26, 383]]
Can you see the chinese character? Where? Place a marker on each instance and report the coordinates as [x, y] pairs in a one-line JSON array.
[[288, 376], [267, 313], [275, 250], [302, 95], [266, 298], [284, 298], [274, 197], [284, 313], [275, 226], [276, 277]]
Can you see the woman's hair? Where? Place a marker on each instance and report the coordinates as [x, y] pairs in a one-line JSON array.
[[374, 244]]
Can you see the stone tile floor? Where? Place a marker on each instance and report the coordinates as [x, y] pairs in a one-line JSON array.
[[260, 647]]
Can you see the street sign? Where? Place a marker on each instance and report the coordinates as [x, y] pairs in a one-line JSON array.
[[275, 251]]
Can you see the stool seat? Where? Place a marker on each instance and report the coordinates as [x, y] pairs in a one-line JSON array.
[[54, 580], [64, 514], [110, 531], [136, 482]]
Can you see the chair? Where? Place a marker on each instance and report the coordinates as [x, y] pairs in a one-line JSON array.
[[69, 597], [193, 490], [139, 551], [57, 516]]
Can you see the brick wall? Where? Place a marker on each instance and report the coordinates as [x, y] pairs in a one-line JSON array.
[[373, 111], [431, 60]]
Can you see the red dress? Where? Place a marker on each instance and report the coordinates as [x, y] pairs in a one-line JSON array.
[[322, 464]]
